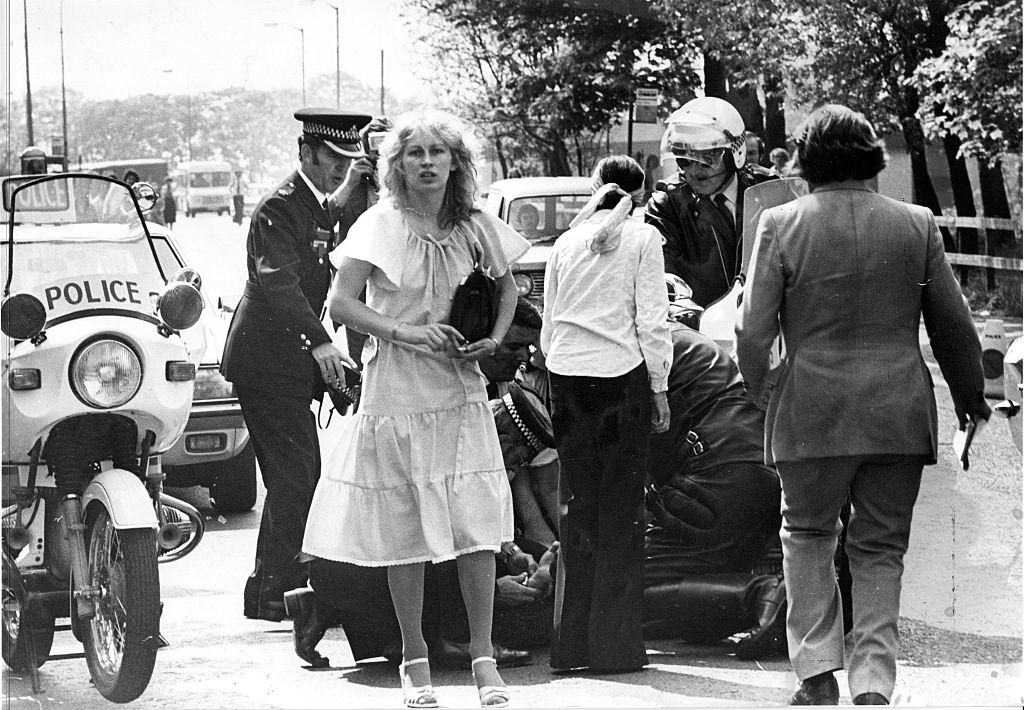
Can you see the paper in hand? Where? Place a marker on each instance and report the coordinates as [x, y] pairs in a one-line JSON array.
[[962, 439]]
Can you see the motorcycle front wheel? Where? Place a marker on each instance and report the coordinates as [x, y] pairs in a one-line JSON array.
[[121, 640], [27, 630]]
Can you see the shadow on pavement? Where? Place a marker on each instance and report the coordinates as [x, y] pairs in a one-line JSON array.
[[929, 646]]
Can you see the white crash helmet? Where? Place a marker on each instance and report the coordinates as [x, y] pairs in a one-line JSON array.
[[705, 124], [681, 307]]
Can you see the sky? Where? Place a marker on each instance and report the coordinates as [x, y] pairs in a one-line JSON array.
[[119, 48]]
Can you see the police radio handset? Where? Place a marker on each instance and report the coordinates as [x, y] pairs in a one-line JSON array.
[[371, 144]]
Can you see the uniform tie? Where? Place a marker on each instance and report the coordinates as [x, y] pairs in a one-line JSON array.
[[722, 203]]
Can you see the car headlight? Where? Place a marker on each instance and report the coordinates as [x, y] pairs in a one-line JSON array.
[[106, 374], [524, 284], [210, 384]]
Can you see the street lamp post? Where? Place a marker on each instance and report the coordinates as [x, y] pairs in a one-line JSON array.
[[337, 49], [302, 39], [63, 93]]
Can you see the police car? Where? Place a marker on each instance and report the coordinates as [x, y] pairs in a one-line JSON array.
[[540, 209]]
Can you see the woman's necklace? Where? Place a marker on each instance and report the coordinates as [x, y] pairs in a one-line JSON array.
[[420, 213]]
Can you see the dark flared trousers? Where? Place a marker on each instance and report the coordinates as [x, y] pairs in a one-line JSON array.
[[602, 429], [283, 434]]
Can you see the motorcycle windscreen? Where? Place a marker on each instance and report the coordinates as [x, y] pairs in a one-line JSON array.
[[761, 197], [80, 247], [719, 319]]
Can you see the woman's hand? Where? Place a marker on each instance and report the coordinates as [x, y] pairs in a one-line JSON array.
[[439, 337], [485, 347], [659, 412]]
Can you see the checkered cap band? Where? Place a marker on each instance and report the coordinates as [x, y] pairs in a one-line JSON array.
[[348, 135], [531, 438]]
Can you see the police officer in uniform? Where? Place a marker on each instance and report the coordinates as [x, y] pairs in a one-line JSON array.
[[699, 212], [278, 354]]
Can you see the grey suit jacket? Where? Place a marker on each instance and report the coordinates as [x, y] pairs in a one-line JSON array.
[[846, 274]]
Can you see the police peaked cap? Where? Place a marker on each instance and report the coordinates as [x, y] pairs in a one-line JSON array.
[[530, 416], [338, 130]]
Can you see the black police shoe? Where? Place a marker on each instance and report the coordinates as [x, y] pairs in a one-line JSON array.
[[821, 689], [309, 625]]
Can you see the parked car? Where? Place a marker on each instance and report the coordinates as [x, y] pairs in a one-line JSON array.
[[539, 208], [215, 450], [254, 192]]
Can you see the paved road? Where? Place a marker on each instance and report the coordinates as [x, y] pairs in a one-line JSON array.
[[961, 620]]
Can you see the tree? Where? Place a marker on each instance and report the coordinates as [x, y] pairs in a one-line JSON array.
[[863, 53], [549, 74], [973, 89]]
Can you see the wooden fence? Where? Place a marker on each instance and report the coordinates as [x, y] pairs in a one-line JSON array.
[[983, 225]]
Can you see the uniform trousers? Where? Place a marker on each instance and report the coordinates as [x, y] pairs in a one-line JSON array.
[[882, 490], [283, 433], [602, 430]]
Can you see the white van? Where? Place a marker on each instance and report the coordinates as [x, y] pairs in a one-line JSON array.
[[203, 186]]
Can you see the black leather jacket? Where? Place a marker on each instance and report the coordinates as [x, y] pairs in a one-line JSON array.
[[696, 246]]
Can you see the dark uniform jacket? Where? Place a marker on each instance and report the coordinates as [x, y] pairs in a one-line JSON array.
[[277, 322], [699, 246]]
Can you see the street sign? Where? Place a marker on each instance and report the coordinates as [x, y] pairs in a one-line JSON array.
[[645, 113], [647, 97]]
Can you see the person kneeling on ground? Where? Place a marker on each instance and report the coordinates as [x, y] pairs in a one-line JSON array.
[[714, 505]]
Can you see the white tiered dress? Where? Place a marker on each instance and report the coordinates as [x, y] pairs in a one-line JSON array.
[[417, 473]]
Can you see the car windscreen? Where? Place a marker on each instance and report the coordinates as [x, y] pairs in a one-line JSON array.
[[544, 217]]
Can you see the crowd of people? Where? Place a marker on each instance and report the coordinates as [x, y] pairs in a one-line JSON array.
[[598, 473]]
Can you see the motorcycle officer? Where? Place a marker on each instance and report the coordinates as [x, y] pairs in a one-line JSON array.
[[699, 212]]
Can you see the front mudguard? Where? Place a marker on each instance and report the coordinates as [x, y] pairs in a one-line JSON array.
[[125, 498]]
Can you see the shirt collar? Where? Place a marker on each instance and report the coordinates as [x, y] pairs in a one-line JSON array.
[[731, 190], [320, 197]]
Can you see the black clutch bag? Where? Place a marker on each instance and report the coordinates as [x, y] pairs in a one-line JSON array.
[[346, 394], [475, 305]]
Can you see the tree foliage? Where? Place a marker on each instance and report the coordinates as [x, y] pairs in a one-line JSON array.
[[252, 129], [973, 89], [548, 74]]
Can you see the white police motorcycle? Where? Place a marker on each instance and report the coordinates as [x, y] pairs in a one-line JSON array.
[[98, 353]]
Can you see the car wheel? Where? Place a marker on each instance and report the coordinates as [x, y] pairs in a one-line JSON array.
[[234, 490]]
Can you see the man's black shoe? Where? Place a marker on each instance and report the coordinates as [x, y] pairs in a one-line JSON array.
[[456, 656], [821, 689], [870, 699], [309, 626], [769, 637], [267, 611]]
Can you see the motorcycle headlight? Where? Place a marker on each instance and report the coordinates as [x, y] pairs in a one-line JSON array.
[[106, 374]]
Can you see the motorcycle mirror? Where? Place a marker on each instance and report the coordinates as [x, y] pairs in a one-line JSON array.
[[188, 276], [22, 316], [145, 195], [179, 305]]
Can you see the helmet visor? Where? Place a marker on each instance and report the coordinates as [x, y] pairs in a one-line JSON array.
[[708, 158]]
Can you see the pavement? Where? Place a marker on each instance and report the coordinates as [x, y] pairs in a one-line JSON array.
[[961, 623]]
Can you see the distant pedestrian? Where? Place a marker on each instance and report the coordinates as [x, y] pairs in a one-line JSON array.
[[607, 347], [779, 157], [238, 196], [170, 204], [846, 275], [754, 147]]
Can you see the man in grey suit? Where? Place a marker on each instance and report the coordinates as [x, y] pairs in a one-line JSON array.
[[848, 274]]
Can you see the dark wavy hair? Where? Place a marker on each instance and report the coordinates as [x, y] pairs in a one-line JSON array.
[[623, 171], [527, 315], [836, 143], [461, 189]]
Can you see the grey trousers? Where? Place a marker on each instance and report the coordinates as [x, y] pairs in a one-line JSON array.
[[882, 491]]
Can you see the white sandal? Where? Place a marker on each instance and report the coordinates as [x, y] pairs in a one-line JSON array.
[[422, 696], [491, 696]]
